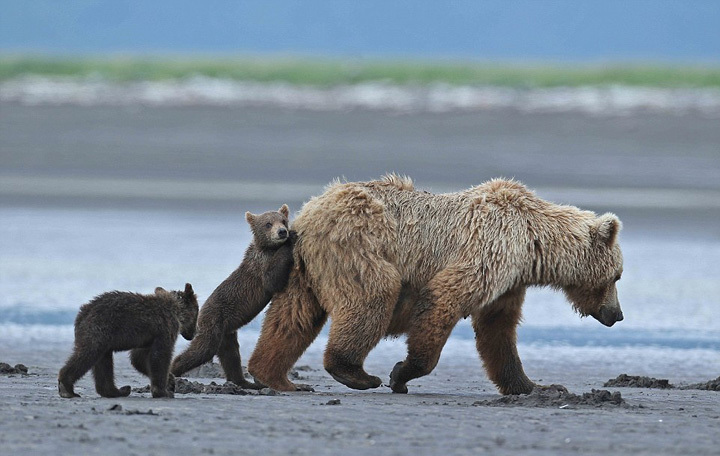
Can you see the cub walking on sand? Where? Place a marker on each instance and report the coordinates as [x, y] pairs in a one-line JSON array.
[[148, 325], [238, 299]]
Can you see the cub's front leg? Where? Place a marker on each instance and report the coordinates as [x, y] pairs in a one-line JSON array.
[[275, 278], [159, 358]]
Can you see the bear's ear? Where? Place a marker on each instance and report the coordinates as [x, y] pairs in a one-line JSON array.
[[160, 290], [607, 227], [284, 210], [249, 217], [188, 290]]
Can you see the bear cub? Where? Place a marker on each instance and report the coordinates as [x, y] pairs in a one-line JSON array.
[[263, 272], [148, 325]]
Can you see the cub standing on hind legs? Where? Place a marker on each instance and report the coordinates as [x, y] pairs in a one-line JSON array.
[[239, 298], [118, 321]]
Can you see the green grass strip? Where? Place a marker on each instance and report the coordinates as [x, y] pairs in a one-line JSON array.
[[329, 72]]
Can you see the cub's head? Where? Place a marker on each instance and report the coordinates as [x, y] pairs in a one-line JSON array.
[[593, 290], [270, 229], [187, 309]]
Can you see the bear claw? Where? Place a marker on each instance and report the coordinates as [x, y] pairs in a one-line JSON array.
[[67, 393], [396, 386], [354, 382]]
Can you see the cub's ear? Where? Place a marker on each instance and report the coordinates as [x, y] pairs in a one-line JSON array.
[[249, 217], [607, 227], [160, 290], [284, 210], [188, 290]]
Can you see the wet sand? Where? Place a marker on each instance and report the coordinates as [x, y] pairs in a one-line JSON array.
[[296, 146], [455, 410], [659, 173]]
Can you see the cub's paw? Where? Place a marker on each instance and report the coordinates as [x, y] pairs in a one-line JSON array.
[[158, 393], [292, 236], [66, 392]]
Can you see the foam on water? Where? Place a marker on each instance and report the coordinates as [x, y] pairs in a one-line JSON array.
[[200, 90]]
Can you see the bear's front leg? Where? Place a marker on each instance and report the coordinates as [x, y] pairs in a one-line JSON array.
[[495, 327], [159, 357]]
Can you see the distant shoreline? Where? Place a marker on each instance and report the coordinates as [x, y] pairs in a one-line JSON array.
[[328, 72]]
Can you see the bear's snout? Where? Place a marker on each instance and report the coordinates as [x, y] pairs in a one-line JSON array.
[[188, 334], [282, 233], [609, 316]]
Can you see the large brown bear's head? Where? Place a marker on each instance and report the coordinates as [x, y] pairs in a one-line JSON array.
[[594, 292], [270, 229]]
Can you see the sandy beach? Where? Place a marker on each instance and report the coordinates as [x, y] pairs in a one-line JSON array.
[[442, 414], [100, 198]]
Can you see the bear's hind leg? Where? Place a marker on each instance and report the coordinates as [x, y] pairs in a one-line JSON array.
[[438, 311], [496, 339], [357, 327], [104, 375], [229, 356], [291, 323], [77, 365], [351, 339]]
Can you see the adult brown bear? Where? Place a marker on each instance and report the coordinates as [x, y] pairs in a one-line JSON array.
[[381, 258]]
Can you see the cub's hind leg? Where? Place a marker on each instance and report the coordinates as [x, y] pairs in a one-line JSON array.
[[201, 350], [229, 356], [104, 375], [81, 361]]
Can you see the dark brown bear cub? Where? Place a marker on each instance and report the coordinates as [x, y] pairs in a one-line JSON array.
[[118, 321], [238, 299]]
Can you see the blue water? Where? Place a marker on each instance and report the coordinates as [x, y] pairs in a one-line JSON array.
[[573, 30], [54, 260]]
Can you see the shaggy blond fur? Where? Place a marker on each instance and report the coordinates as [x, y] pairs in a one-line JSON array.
[[381, 258]]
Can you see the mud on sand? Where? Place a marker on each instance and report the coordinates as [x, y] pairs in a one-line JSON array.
[[557, 396], [454, 410], [184, 386], [7, 369], [635, 381]]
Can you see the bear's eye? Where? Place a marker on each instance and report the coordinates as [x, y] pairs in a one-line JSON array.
[[268, 225]]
